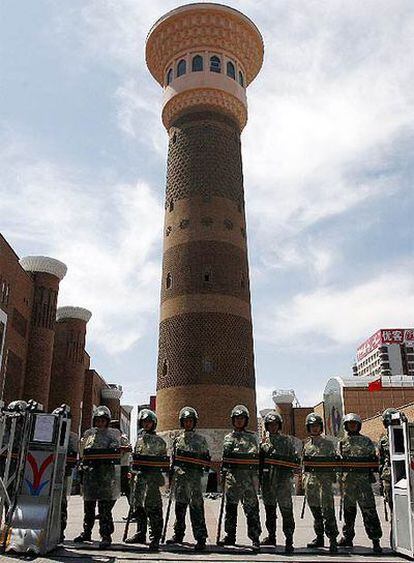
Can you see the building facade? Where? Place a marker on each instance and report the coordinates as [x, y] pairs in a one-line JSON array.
[[42, 346], [204, 56], [388, 352]]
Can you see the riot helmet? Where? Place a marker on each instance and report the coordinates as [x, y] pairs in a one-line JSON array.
[[63, 409], [352, 417], [387, 416], [17, 406], [147, 414], [313, 418], [102, 412], [240, 410], [273, 416], [188, 412]]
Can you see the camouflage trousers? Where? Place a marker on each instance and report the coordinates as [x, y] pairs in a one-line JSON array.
[[386, 485], [320, 500], [146, 504], [360, 493], [188, 492], [106, 523], [277, 491], [242, 487]]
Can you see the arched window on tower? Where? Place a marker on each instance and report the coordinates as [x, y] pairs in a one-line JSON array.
[[168, 281], [165, 367], [197, 64], [169, 76], [231, 70], [241, 78], [181, 68], [215, 64]]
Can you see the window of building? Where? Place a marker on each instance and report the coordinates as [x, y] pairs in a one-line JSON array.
[[241, 78], [215, 64], [181, 68], [207, 275], [197, 64], [169, 76], [165, 367], [208, 365], [231, 70], [168, 281]]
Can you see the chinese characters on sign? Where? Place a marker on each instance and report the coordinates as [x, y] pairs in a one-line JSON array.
[[386, 336]]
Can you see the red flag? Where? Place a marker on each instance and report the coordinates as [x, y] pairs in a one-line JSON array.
[[375, 385]]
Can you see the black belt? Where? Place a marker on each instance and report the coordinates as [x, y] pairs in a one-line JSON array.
[[96, 456], [241, 461]]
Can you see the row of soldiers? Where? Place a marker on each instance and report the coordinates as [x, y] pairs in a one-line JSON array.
[[246, 466]]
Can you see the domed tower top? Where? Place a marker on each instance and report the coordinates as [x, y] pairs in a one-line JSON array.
[[204, 55]]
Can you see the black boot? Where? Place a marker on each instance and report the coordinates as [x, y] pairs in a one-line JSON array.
[[105, 542], [84, 536], [270, 510], [200, 545], [289, 549], [175, 539], [256, 546], [345, 542], [333, 546], [139, 537], [228, 540], [376, 548], [316, 542], [154, 545], [269, 540]]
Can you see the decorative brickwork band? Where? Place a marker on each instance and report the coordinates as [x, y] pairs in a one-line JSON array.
[[204, 158], [205, 267], [209, 26], [44, 264], [111, 398], [206, 348]]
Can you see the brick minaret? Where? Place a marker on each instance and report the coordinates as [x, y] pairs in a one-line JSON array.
[[204, 56], [68, 367], [46, 273]]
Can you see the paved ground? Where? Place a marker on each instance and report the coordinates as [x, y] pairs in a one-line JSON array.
[[123, 553]]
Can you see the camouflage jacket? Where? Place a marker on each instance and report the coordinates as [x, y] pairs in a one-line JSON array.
[[280, 445], [100, 482], [243, 442], [356, 446], [149, 443], [190, 441], [319, 446], [384, 458]]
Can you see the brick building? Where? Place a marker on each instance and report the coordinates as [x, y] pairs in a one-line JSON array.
[[204, 56], [342, 396], [390, 351], [42, 347]]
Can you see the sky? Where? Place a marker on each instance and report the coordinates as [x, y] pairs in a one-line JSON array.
[[328, 175]]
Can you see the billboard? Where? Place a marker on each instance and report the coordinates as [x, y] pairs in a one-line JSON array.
[[386, 336]]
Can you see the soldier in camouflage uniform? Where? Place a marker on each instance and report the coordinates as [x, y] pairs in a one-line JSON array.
[[100, 481], [241, 483], [277, 480], [187, 481], [357, 485], [146, 499], [318, 486]]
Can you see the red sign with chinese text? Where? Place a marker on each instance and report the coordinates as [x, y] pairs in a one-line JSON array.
[[386, 336]]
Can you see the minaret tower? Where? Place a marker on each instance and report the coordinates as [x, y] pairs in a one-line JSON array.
[[204, 56]]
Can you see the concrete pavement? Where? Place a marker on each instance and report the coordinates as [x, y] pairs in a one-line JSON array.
[[241, 553]]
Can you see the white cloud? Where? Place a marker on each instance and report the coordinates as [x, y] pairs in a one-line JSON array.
[[106, 233], [343, 316]]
